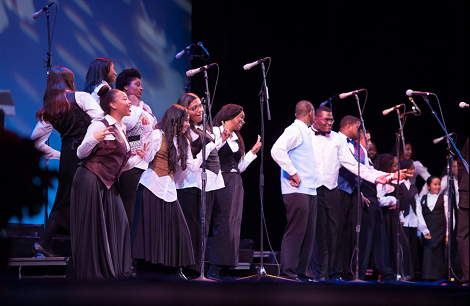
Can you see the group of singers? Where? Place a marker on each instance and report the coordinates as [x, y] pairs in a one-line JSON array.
[[130, 187]]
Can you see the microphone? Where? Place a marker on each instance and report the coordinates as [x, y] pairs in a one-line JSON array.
[[251, 65], [326, 101], [180, 54], [437, 140], [410, 93], [199, 43], [388, 111], [463, 105], [416, 110], [38, 13], [345, 95], [192, 72]]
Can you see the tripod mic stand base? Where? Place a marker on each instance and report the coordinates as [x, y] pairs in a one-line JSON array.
[[203, 279]]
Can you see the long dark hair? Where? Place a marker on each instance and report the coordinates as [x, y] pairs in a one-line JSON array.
[[228, 112], [55, 102], [384, 162], [97, 73], [185, 100], [175, 116]]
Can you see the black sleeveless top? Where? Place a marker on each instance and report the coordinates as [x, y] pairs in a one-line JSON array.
[[408, 198], [212, 162], [73, 124], [228, 159]]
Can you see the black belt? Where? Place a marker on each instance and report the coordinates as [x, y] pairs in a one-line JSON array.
[[133, 138]]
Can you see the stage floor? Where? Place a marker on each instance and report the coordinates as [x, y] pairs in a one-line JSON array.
[[156, 291]]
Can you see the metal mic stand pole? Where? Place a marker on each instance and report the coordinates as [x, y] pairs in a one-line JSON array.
[[399, 136], [204, 181], [450, 219], [359, 197], [48, 69], [187, 88]]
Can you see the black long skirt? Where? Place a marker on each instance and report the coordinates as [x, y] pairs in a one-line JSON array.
[[60, 211], [99, 231], [160, 234], [190, 201]]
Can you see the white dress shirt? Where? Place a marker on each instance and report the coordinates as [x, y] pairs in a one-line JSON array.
[[246, 159], [97, 88], [189, 179], [333, 151], [43, 129], [414, 219], [164, 187], [130, 122], [289, 140]]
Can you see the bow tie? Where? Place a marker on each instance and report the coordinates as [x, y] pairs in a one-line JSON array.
[[320, 133], [351, 141]]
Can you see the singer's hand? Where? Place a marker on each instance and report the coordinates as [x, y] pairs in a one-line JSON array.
[[365, 201], [100, 135], [225, 134], [141, 151], [295, 180], [427, 236], [403, 174], [392, 206], [257, 145], [382, 179], [145, 121]]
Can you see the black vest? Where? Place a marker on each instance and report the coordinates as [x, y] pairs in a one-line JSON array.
[[229, 159], [72, 125], [212, 162], [435, 219], [408, 198]]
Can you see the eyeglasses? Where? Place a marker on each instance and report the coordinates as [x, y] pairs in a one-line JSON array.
[[326, 120], [195, 108]]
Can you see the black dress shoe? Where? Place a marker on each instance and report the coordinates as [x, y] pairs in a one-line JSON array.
[[37, 248], [213, 272]]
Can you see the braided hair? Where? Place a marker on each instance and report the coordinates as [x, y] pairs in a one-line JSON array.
[[228, 112]]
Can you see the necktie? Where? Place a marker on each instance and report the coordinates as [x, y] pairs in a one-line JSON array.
[[362, 160]]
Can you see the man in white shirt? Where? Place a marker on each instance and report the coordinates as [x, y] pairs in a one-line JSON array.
[[330, 153], [293, 153]]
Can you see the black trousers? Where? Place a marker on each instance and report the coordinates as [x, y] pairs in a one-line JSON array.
[[347, 235], [327, 231], [299, 235], [462, 233], [373, 242]]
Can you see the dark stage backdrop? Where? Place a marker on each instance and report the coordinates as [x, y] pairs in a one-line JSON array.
[[324, 48], [145, 34]]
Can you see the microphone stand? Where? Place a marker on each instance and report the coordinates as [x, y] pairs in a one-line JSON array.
[[399, 136], [261, 273], [451, 183], [206, 105], [48, 63], [359, 197], [450, 219]]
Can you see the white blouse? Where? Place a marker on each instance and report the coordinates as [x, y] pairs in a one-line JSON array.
[[164, 187]]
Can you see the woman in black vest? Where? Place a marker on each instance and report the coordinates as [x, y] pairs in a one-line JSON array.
[[189, 184], [69, 113], [228, 204], [434, 207], [99, 228]]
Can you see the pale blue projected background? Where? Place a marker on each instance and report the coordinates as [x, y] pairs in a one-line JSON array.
[[144, 34]]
